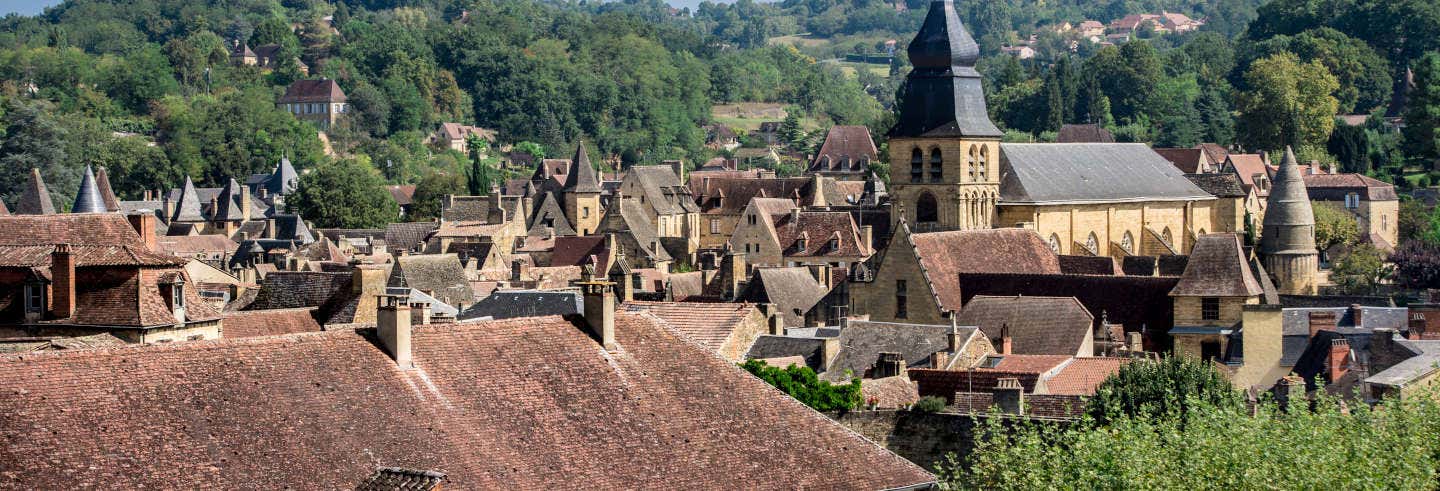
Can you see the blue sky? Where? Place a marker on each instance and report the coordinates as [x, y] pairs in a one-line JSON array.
[[25, 7]]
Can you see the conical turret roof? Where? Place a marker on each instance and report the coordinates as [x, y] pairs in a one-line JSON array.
[[227, 207], [107, 193], [188, 209], [1289, 226], [284, 180], [35, 200], [582, 177], [87, 199]]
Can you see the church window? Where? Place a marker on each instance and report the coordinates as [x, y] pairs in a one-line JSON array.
[[927, 210], [984, 161], [1127, 243], [917, 165], [1054, 243], [1166, 238], [1092, 243], [936, 165], [972, 161]]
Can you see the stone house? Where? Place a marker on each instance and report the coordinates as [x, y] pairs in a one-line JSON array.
[[1035, 325], [666, 203], [846, 153], [1372, 202], [456, 136], [318, 101], [775, 232], [1209, 299]]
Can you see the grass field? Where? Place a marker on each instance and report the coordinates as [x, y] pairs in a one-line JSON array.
[[747, 116], [798, 40], [850, 68]]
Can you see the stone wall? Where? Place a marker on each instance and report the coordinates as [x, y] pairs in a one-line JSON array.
[[922, 438]]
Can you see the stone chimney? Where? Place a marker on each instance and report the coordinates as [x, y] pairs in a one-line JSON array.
[[956, 340], [625, 287], [144, 224], [732, 274], [519, 269], [775, 324], [600, 311], [393, 328], [62, 274], [1135, 341], [1321, 321], [368, 279], [795, 216], [829, 348], [1382, 341], [1357, 315], [821, 273], [1009, 396], [1338, 362], [889, 365], [867, 237], [678, 167], [269, 228], [245, 204]]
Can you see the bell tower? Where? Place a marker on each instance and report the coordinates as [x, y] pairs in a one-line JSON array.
[[944, 151]]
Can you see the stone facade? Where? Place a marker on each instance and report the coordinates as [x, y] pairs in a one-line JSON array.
[[945, 183], [1262, 339], [1119, 229]]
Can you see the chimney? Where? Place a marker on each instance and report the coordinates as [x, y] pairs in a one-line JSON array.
[[1382, 341], [1009, 396], [1135, 341], [867, 237], [1356, 315], [168, 206], [732, 273], [774, 323], [367, 278], [821, 273], [795, 215], [62, 273], [956, 341], [890, 365], [678, 166], [600, 311], [1339, 360], [829, 348], [625, 287], [421, 313], [393, 328], [144, 224], [245, 203], [518, 270], [1321, 321], [1290, 388], [269, 228], [1005, 343]]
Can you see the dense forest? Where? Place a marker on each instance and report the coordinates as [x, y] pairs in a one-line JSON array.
[[146, 89]]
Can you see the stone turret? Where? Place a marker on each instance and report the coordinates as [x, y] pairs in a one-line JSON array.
[[582, 193], [1287, 240]]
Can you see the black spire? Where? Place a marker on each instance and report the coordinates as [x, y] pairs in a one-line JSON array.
[[943, 97]]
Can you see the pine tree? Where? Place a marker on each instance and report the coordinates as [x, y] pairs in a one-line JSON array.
[[1054, 98], [1219, 125], [478, 182], [790, 131]]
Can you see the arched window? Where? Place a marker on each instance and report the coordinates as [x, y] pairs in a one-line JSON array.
[[927, 210], [984, 161], [1054, 243], [917, 165], [1166, 238], [1127, 243], [936, 167], [972, 161], [1092, 243]]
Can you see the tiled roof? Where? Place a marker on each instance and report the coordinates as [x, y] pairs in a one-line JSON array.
[[1222, 185], [793, 291], [323, 90], [862, 342], [945, 255], [457, 131], [402, 193], [299, 289], [469, 209], [1040, 364], [889, 392], [1188, 160], [846, 149], [99, 229], [549, 215], [1217, 153], [1089, 173], [1038, 325], [552, 410], [250, 323], [398, 479], [1105, 265], [1083, 375], [187, 204], [440, 274], [93, 341], [737, 193], [818, 228], [35, 198], [576, 251], [1217, 268], [190, 245], [88, 256], [1247, 166], [1084, 133], [709, 324], [1134, 301], [1335, 187], [663, 189], [107, 193], [406, 236], [582, 178], [808, 349]]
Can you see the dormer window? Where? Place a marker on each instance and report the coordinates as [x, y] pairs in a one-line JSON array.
[[34, 297]]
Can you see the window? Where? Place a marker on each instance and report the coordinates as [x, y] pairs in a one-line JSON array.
[[177, 291], [1384, 222], [637, 282], [917, 165], [926, 209], [714, 225], [1127, 243], [984, 161], [901, 309], [584, 212], [937, 162], [1352, 201], [34, 297], [972, 161], [1210, 309], [1092, 243], [750, 219]]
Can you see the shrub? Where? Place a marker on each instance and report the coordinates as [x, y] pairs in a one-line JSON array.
[[802, 384], [929, 404]]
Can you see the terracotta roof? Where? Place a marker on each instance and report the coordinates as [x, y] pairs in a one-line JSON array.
[[1039, 364], [709, 324], [1084, 133], [404, 194], [250, 323], [818, 228], [1216, 153], [88, 256], [1188, 160], [576, 251], [846, 149], [190, 245], [944, 255], [1247, 166], [1217, 268], [889, 392], [553, 410], [107, 194], [1334, 187], [457, 131], [1083, 375], [1038, 325], [99, 229], [323, 90]]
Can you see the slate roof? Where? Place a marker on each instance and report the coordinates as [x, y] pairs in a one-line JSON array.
[[1218, 267], [846, 149], [440, 274], [1289, 224], [730, 196], [944, 255], [1425, 362], [943, 92], [1084, 133], [187, 208], [549, 215], [1103, 265], [1038, 325], [1335, 187], [1090, 173], [1188, 160], [469, 209], [525, 303], [552, 410], [323, 90], [407, 235], [627, 215], [251, 323], [793, 291], [284, 180], [35, 198], [304, 289], [1220, 185], [771, 347], [709, 324], [663, 189], [192, 245], [861, 343]]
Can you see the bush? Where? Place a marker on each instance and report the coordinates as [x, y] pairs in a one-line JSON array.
[[1146, 388], [802, 384], [929, 404]]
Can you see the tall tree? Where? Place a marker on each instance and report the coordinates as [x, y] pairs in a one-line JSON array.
[[1422, 117], [347, 193], [1288, 103], [33, 139]]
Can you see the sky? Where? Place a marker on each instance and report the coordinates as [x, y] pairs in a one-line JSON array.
[[24, 7]]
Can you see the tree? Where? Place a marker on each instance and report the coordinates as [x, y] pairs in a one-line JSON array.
[[31, 138], [141, 77], [1422, 117], [1334, 226], [1417, 265], [1413, 221], [1146, 388], [478, 181], [534, 150], [1360, 271], [1288, 103], [429, 193], [801, 383], [347, 193], [790, 130], [1351, 147], [1217, 122]]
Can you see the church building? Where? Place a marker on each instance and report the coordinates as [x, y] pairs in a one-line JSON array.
[[1097, 199]]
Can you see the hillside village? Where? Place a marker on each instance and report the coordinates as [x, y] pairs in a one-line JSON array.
[[585, 320]]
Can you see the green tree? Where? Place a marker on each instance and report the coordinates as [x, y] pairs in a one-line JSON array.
[[534, 150], [1351, 147], [1422, 118], [1215, 117], [430, 191], [233, 134], [479, 178], [1172, 385], [347, 193], [137, 79], [1334, 226], [790, 130], [1360, 271], [1289, 103], [33, 139], [802, 384], [1414, 220]]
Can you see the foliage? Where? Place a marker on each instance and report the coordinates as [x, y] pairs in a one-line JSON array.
[[1422, 121], [1417, 264], [347, 193], [233, 135], [1174, 384], [802, 384], [1414, 220], [430, 191], [1351, 147], [1334, 226], [1360, 270], [929, 404], [1288, 103], [33, 139], [1392, 446]]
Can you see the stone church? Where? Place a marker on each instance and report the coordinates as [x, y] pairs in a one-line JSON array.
[[1097, 199]]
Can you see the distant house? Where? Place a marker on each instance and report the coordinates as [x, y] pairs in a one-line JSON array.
[[264, 56], [1091, 29], [846, 153], [455, 136], [318, 101], [1021, 52], [1373, 203], [1084, 133], [1189, 160]]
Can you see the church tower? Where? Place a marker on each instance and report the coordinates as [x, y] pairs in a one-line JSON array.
[[1287, 237], [582, 193], [944, 151]]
